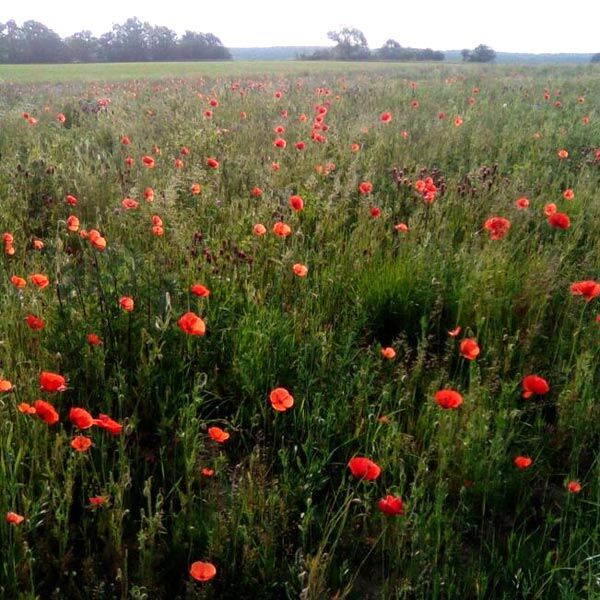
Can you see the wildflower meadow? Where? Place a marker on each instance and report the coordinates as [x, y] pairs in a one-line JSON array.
[[307, 333]]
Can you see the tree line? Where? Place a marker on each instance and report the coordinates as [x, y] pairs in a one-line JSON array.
[[351, 44], [131, 41]]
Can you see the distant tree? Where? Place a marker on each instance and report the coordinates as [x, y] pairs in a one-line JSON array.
[[351, 44], [13, 43], [201, 46], [43, 45], [130, 41], [83, 47], [481, 54], [429, 54], [391, 50], [596, 58], [33, 42], [319, 54], [162, 43]]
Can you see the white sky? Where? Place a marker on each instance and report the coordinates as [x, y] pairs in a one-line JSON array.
[[505, 25]]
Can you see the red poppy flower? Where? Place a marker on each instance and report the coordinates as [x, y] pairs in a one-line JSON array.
[[97, 500], [71, 200], [281, 399], [213, 163], [108, 424], [196, 189], [39, 280], [81, 418], [125, 140], [34, 323], [280, 143], [148, 161], [130, 204], [469, 348], [522, 203], [568, 194], [448, 399], [375, 212], [192, 324], [388, 352], [574, 487], [61, 118], [259, 229], [296, 203], [126, 303], [5, 385], [391, 505], [129, 161], [455, 332], [281, 229], [300, 146], [562, 154], [52, 382], [179, 163], [149, 194], [256, 192], [589, 289], [200, 290], [13, 518], [202, 571], [96, 240], [18, 282], [26, 409], [207, 472], [365, 187], [534, 384], [94, 340], [300, 270], [218, 435], [72, 223], [401, 227], [355, 147], [458, 121], [81, 443], [385, 117], [559, 220], [522, 462], [45, 411], [38, 244], [364, 468], [498, 227]]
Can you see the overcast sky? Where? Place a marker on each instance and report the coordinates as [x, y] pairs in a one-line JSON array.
[[506, 25]]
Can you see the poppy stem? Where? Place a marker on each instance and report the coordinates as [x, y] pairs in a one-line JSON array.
[[103, 303]]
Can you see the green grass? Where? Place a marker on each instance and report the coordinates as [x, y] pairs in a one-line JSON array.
[[282, 517], [61, 73]]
